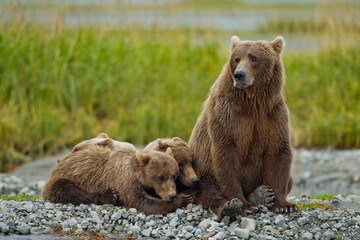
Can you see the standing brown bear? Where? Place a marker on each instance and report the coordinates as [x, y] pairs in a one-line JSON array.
[[241, 140]]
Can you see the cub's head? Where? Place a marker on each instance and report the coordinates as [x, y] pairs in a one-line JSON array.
[[255, 62], [183, 157], [158, 171], [101, 140]]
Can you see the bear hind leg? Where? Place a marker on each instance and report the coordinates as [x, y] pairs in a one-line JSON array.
[[64, 191]]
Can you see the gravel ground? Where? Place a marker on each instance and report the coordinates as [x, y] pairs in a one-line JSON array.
[[314, 172]]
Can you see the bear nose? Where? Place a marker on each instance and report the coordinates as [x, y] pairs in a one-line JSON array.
[[239, 75], [195, 181], [172, 196]]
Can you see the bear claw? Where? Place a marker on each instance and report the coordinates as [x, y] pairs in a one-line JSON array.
[[262, 195], [232, 208]]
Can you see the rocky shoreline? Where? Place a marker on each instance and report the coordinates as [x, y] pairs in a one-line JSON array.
[[314, 172], [108, 222]]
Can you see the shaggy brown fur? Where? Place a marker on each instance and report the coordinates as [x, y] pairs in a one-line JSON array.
[[182, 155], [82, 175], [241, 139]]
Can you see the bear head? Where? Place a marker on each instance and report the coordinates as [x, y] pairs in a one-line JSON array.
[[158, 171], [183, 157], [101, 140], [255, 62]]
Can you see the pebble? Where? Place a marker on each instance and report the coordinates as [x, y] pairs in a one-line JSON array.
[[248, 223], [279, 220], [242, 233]]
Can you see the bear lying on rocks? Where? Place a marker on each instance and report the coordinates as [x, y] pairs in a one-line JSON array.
[[241, 140], [184, 157], [99, 175]]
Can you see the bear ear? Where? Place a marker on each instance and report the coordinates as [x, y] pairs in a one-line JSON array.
[[169, 152], [107, 142], [278, 44], [102, 135], [235, 40], [141, 158], [177, 139], [161, 143]]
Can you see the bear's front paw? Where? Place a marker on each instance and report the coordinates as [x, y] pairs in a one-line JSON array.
[[284, 207], [232, 209], [182, 200]]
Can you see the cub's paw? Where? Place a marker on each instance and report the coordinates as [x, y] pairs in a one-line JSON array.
[[110, 196], [232, 209], [182, 200], [285, 207], [262, 195]]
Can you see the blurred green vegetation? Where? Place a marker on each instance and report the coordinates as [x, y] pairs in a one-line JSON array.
[[59, 86]]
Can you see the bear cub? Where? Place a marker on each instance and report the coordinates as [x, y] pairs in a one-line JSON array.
[[87, 176], [183, 156]]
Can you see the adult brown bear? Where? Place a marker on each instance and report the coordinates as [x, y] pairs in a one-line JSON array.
[[241, 139]]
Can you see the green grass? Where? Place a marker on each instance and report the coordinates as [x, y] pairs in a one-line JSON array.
[[19, 197], [60, 86], [310, 205], [322, 197]]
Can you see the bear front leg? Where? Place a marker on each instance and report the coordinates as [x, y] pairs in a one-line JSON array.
[[277, 177], [147, 204], [225, 164]]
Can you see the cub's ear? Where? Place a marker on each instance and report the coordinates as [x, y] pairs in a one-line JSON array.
[[177, 139], [107, 142], [102, 135], [161, 143], [278, 44], [141, 158], [235, 40], [169, 152]]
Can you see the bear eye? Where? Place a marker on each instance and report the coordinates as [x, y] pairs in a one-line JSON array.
[[237, 59], [252, 58], [181, 165], [161, 178]]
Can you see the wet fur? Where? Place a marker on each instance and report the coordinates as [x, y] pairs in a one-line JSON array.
[[241, 139], [85, 177]]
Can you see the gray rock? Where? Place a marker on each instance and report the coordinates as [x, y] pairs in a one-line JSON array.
[[188, 235], [307, 235], [146, 232], [242, 233], [198, 233], [4, 228], [219, 236], [301, 221], [116, 216], [325, 226], [124, 213], [24, 230], [48, 205], [248, 223], [279, 220], [174, 222], [329, 235], [169, 233]]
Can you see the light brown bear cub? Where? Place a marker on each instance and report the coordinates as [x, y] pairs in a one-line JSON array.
[[85, 176], [183, 156]]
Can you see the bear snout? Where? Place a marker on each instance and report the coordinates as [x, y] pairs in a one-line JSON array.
[[195, 181], [240, 76], [172, 196]]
